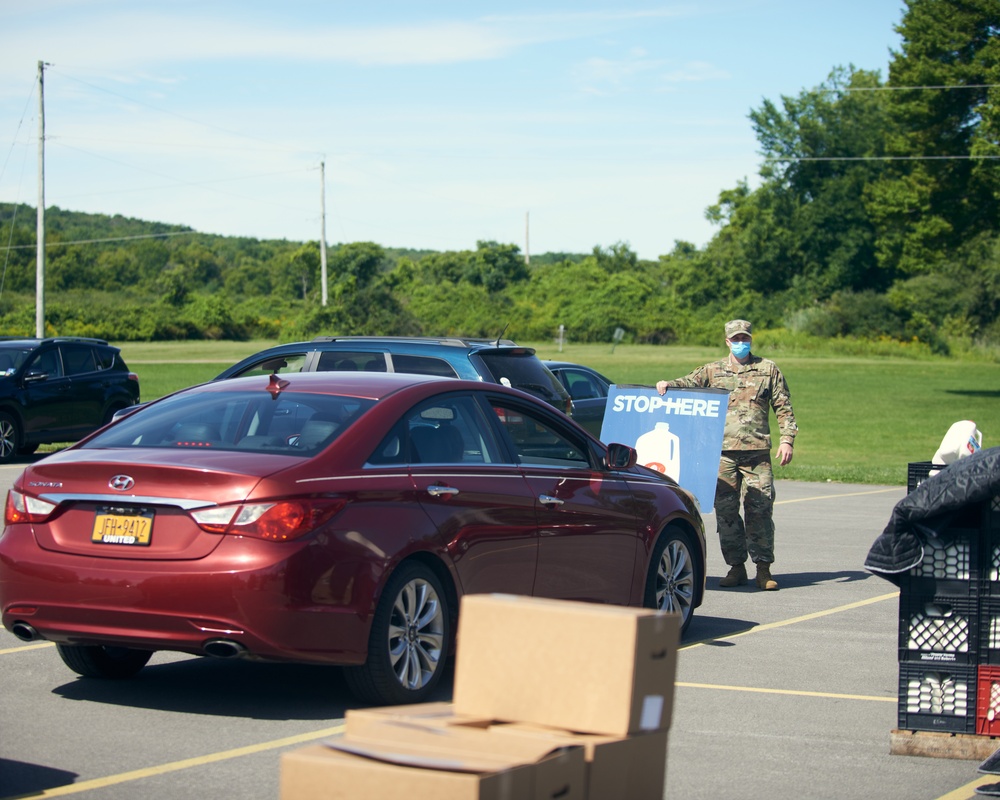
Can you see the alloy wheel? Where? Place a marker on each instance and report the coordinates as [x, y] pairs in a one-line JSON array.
[[675, 577], [416, 634]]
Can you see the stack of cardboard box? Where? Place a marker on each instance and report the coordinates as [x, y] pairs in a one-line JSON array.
[[552, 700]]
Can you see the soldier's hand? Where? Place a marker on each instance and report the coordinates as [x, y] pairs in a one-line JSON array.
[[661, 387], [784, 453]]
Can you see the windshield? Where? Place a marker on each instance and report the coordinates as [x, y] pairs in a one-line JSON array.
[[11, 359], [250, 420]]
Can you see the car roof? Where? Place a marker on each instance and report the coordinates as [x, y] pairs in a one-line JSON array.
[[374, 385], [451, 341], [30, 341], [402, 342]]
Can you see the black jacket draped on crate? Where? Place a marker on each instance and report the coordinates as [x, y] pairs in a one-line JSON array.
[[928, 509]]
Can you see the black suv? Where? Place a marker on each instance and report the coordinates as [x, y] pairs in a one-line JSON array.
[[497, 361], [59, 390]]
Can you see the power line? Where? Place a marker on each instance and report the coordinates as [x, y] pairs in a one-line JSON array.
[[194, 184], [159, 110], [915, 88], [878, 158], [102, 241]]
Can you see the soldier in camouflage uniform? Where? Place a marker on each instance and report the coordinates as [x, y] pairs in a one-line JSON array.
[[755, 386]]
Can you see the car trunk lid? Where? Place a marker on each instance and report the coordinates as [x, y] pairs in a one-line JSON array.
[[139, 509]]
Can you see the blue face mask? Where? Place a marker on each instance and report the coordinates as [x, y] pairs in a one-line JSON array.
[[740, 349]]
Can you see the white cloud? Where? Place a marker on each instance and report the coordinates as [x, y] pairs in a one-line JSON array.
[[605, 75], [130, 41], [696, 71]]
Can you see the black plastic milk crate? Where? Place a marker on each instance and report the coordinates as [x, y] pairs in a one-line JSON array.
[[918, 471], [950, 566], [937, 698], [989, 631], [989, 545], [938, 630], [990, 577]]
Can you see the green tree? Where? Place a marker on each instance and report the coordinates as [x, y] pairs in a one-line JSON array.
[[495, 266], [296, 272], [617, 258], [937, 196], [810, 229], [356, 264]]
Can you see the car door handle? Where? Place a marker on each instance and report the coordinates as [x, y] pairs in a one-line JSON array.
[[549, 500], [438, 491]]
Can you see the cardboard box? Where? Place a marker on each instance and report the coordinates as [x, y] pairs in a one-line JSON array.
[[323, 773], [410, 763], [426, 715], [633, 767], [616, 766], [582, 667]]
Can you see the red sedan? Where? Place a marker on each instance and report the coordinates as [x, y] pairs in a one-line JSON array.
[[332, 518]]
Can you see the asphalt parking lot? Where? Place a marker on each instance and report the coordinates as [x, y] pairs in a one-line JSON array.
[[785, 694]]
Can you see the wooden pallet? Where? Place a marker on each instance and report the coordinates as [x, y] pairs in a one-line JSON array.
[[937, 744]]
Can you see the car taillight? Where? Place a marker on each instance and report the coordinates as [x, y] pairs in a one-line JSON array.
[[277, 521], [25, 508]]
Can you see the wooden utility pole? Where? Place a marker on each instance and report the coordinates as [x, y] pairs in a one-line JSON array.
[[322, 239], [40, 231]]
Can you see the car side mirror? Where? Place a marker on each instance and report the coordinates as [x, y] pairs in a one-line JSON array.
[[621, 456]]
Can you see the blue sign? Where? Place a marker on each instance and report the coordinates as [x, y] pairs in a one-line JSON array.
[[678, 434]]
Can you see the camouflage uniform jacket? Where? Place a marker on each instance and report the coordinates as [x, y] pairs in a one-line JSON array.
[[752, 388]]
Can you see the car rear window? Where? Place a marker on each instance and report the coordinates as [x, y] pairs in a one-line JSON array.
[[105, 357], [522, 370], [292, 424]]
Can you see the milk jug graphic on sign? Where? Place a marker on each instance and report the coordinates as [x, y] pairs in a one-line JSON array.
[[660, 449]]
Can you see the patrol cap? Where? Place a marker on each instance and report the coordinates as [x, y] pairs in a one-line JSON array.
[[735, 326]]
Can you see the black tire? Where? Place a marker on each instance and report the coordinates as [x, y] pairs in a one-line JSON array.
[[674, 572], [409, 642], [10, 437], [99, 661], [27, 449]]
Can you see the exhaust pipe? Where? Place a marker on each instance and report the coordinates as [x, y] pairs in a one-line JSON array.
[[24, 632], [224, 648]]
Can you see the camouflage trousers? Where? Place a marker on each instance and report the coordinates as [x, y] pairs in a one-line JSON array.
[[745, 476]]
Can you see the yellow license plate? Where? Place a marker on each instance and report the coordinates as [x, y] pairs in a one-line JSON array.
[[130, 526]]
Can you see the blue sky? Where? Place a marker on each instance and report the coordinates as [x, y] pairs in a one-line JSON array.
[[556, 126]]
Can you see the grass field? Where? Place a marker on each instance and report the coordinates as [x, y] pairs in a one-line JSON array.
[[861, 420]]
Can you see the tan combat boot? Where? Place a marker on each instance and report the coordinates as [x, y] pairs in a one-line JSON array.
[[764, 579], [737, 576]]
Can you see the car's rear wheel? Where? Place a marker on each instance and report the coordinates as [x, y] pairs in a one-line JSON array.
[[9, 437], [671, 583], [409, 641], [100, 661]]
